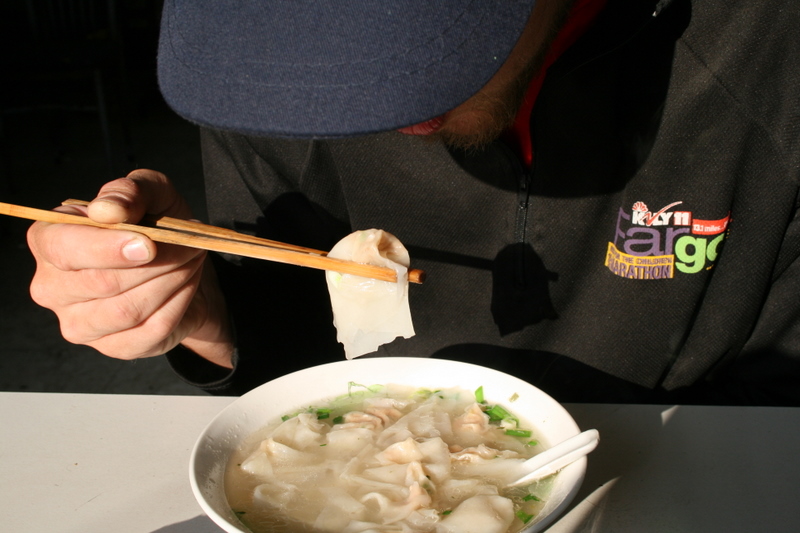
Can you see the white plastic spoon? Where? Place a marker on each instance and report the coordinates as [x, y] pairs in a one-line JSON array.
[[554, 459]]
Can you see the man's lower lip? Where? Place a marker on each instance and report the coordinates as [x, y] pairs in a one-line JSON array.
[[424, 128]]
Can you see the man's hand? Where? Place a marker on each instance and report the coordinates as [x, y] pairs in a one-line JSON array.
[[120, 293]]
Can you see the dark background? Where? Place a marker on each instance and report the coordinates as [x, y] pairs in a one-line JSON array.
[[57, 58]]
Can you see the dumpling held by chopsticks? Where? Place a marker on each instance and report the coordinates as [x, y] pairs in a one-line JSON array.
[[369, 312]]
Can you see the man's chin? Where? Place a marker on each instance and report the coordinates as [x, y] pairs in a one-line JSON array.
[[471, 127], [458, 134], [469, 142]]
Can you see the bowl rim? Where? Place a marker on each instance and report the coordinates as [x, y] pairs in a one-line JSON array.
[[573, 475]]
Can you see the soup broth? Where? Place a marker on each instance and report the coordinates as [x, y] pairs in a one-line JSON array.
[[387, 459]]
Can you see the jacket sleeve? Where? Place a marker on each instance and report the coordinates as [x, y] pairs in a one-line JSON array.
[[281, 313]]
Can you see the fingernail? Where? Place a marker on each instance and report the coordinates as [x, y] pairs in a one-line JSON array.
[[136, 250]]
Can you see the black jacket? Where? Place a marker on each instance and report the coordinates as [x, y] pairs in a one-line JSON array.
[[650, 255]]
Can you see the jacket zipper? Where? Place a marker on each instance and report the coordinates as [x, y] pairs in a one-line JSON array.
[[523, 203], [521, 229]]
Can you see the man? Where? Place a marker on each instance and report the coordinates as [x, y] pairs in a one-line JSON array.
[[619, 229]]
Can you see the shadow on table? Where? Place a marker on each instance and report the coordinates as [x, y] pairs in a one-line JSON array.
[[628, 440], [692, 469], [198, 524]]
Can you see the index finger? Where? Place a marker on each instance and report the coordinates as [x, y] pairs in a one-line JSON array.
[[142, 191]]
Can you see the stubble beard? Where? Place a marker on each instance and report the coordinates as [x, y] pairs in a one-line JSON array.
[[486, 115], [485, 118]]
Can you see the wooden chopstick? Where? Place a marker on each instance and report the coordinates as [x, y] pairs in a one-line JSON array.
[[205, 237], [210, 231]]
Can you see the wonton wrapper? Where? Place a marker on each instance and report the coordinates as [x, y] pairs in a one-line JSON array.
[[369, 312]]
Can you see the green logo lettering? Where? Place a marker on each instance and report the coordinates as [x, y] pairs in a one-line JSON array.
[[691, 252]]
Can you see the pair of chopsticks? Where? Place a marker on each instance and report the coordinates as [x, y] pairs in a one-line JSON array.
[[205, 237]]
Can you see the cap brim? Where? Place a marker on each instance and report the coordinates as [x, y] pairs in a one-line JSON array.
[[330, 68]]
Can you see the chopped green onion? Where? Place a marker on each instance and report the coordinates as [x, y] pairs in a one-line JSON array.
[[371, 388], [532, 443], [530, 497], [479, 395], [447, 512], [497, 412], [323, 413], [422, 393], [525, 517], [518, 432], [338, 420], [509, 423]]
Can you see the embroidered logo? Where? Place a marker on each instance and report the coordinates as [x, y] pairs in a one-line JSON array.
[[655, 244]]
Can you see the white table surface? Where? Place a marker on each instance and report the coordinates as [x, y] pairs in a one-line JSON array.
[[116, 463]]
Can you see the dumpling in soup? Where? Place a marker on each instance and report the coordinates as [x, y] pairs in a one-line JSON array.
[[484, 513], [369, 312], [374, 478]]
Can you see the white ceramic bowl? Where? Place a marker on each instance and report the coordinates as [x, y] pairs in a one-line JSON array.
[[268, 402]]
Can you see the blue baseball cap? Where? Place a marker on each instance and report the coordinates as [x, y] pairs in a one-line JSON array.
[[330, 68]]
